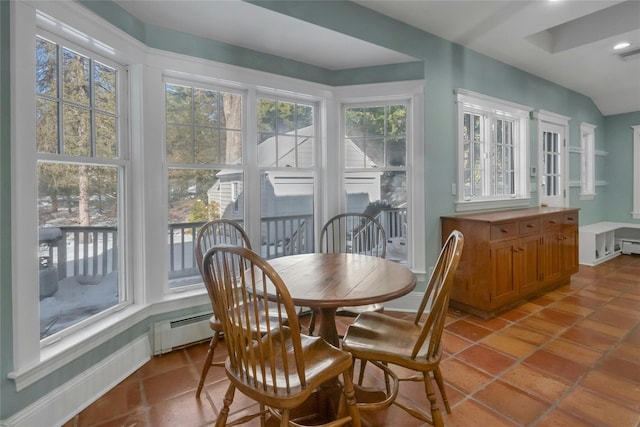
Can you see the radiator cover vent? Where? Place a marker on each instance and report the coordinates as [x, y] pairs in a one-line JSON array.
[[173, 333]]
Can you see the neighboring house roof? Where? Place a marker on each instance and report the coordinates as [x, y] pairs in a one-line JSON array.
[[281, 151], [286, 150]]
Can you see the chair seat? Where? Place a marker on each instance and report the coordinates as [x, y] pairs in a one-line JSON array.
[[416, 345], [376, 336], [322, 363]]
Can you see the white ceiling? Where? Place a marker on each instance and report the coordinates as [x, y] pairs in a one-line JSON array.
[[568, 42]]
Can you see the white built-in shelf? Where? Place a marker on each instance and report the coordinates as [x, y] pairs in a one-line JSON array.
[[602, 241]]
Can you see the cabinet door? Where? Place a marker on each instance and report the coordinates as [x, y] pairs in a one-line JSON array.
[[527, 265], [503, 287], [569, 250], [551, 258]]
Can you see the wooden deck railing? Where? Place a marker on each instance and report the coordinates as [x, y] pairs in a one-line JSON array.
[[93, 251]]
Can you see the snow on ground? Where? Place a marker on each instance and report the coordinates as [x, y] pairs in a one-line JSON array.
[[77, 298]]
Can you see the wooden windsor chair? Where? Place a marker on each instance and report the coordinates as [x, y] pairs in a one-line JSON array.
[[356, 233], [283, 368], [414, 345], [216, 232]]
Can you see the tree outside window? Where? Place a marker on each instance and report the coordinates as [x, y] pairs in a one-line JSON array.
[[204, 134]]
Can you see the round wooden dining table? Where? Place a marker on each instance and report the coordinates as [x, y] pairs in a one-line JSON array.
[[325, 282]]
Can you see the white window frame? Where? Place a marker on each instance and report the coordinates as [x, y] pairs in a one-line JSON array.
[[587, 161], [406, 92], [34, 358], [494, 108], [120, 161]]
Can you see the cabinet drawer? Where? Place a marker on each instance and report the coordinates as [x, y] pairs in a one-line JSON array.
[[504, 231], [550, 221], [570, 219], [529, 226]]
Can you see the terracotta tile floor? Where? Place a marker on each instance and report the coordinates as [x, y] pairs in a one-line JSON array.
[[568, 358]]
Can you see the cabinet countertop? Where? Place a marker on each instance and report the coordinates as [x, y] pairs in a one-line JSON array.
[[510, 214]]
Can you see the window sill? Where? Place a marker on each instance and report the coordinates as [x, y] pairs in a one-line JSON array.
[[63, 352], [469, 206], [69, 348]]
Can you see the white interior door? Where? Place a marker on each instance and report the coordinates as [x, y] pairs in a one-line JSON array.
[[553, 170]]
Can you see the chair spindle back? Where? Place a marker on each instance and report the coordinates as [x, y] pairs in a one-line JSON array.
[[239, 280], [355, 233], [435, 300]]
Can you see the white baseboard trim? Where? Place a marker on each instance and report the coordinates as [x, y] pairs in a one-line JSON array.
[[63, 403]]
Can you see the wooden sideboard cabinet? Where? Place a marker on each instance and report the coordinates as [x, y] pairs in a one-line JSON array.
[[512, 255]]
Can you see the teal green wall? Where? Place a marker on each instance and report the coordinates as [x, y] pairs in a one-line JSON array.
[[618, 194], [6, 332], [443, 65]]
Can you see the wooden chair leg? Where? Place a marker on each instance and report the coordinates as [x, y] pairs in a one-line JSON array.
[[284, 421], [350, 398], [440, 381], [363, 364], [263, 417], [207, 362], [436, 417], [224, 412]]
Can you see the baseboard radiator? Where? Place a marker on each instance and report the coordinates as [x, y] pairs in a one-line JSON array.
[[173, 333], [630, 247]]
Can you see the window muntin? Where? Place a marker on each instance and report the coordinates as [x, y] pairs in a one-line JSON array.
[[80, 177], [488, 153], [375, 147], [504, 173], [551, 160], [204, 126], [493, 152], [203, 138], [285, 133]]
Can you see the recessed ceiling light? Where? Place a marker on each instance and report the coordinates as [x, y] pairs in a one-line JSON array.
[[621, 45]]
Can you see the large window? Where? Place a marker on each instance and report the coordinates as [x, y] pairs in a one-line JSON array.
[[493, 147], [207, 170], [204, 140], [375, 162], [80, 168]]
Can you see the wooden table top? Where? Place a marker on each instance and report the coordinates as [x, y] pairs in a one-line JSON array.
[[328, 280]]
